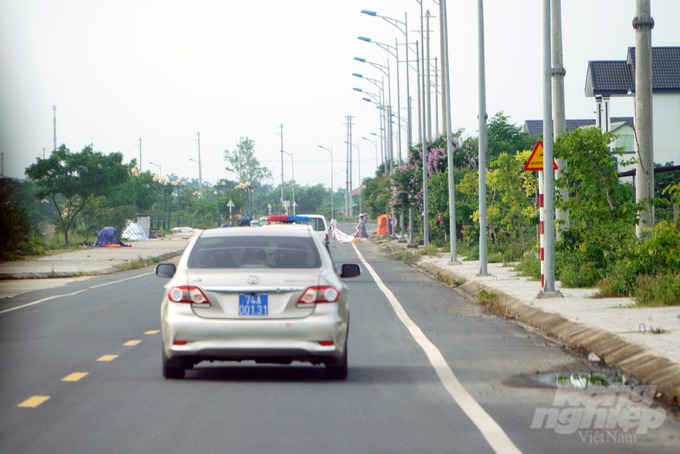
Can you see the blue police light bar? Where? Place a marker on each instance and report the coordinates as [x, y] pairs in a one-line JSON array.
[[363, 38], [358, 89], [370, 13], [358, 75], [362, 60]]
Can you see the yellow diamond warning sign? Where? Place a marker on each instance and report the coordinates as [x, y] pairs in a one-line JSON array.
[[535, 161]]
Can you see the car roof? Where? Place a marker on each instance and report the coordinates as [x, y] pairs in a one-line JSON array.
[[294, 230]]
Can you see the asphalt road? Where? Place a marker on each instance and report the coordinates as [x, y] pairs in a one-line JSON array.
[[394, 400]]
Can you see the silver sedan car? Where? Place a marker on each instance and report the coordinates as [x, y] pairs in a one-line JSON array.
[[271, 295]]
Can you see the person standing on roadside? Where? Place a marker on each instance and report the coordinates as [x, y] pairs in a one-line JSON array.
[[359, 227], [334, 225], [364, 220]]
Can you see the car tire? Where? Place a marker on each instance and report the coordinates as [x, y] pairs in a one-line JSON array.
[[172, 370], [340, 371]]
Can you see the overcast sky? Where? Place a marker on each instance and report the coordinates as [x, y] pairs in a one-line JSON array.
[[166, 70]]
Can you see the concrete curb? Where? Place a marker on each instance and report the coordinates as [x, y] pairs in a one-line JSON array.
[[637, 360]]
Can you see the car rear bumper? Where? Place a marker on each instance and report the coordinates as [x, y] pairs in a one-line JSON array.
[[275, 341]]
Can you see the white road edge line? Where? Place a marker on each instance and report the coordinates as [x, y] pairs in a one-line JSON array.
[[492, 432], [69, 294]]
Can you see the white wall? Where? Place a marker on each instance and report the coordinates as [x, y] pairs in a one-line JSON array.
[[666, 128]]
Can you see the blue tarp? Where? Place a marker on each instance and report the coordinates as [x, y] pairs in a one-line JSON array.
[[108, 237]]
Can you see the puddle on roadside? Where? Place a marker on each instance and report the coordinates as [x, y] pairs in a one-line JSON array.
[[585, 380]]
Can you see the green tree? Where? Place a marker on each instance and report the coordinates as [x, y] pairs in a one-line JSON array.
[[244, 164], [505, 137], [511, 212], [78, 178], [14, 224], [602, 214]]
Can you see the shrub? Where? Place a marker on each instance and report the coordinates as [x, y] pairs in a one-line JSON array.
[[431, 250], [647, 266], [660, 290], [530, 265]]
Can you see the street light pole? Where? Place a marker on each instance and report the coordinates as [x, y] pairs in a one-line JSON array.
[[330, 150], [280, 134], [482, 142], [356, 145], [157, 180], [402, 27], [446, 90], [292, 160], [426, 215], [200, 174]]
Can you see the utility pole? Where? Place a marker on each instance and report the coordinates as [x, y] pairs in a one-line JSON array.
[[140, 157], [549, 289], [558, 73], [280, 134], [446, 126], [428, 96], [348, 199], [200, 172], [644, 169], [54, 122], [2, 161], [483, 141], [423, 122]]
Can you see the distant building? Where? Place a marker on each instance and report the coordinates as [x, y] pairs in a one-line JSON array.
[[608, 79], [535, 127], [623, 127]]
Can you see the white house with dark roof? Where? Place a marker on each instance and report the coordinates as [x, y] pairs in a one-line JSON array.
[[610, 79], [622, 127]]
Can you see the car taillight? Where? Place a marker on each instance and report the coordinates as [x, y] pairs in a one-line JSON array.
[[192, 295], [315, 295], [326, 236]]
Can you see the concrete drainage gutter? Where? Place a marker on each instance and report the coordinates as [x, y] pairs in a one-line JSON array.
[[639, 361]]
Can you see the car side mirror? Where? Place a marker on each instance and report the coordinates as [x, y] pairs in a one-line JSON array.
[[350, 270], [165, 269]]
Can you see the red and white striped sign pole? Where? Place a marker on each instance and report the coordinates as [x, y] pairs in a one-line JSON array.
[[535, 162], [541, 225]]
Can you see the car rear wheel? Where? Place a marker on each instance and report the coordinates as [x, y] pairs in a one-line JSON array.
[[171, 369], [338, 372]]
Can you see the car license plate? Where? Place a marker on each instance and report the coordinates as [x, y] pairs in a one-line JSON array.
[[253, 304]]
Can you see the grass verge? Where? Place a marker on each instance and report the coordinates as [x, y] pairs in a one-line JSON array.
[[138, 263]]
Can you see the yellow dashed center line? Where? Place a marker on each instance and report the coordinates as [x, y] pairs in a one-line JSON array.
[[108, 358], [33, 402], [131, 343], [153, 331], [75, 376]]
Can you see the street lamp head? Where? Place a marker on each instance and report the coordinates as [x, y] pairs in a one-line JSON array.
[[370, 13], [357, 89], [362, 60], [363, 38], [367, 99], [358, 75]]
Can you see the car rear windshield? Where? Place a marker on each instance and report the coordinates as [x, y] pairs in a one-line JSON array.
[[255, 252], [316, 223]]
